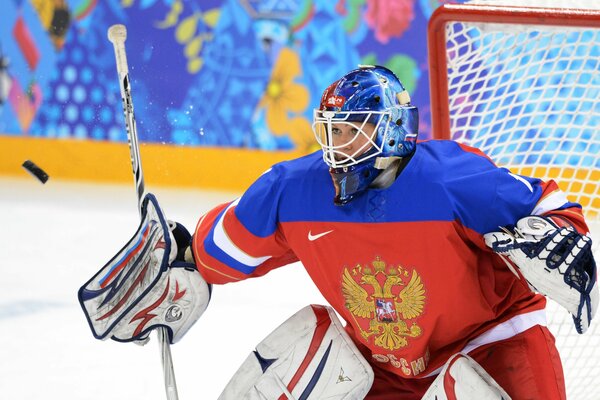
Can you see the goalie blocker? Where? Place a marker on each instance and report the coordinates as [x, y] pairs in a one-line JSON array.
[[147, 284]]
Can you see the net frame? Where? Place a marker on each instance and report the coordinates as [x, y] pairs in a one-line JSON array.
[[481, 14], [580, 353]]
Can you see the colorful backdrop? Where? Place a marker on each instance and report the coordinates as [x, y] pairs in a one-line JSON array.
[[224, 74]]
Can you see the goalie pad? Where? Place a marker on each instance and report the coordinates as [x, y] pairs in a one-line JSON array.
[[556, 262], [309, 356], [146, 285], [462, 378]]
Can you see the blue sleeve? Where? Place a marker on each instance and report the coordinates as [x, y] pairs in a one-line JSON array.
[[516, 197], [486, 196], [257, 209]]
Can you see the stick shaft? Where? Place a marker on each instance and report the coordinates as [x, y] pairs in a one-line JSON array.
[[167, 364], [117, 35], [118, 41]]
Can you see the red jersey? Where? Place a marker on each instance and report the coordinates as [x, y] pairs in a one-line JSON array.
[[405, 266]]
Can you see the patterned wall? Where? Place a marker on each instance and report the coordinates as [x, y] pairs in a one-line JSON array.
[[235, 73]]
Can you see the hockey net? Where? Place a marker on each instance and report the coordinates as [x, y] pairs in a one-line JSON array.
[[523, 85]]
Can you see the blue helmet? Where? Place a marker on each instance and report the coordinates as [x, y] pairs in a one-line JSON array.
[[364, 121]]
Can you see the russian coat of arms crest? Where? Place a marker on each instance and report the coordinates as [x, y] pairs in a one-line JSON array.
[[381, 299]]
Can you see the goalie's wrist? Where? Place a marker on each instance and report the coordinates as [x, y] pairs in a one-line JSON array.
[[570, 222], [561, 222]]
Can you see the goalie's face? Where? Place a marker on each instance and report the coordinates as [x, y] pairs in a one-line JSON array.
[[344, 143], [351, 139]]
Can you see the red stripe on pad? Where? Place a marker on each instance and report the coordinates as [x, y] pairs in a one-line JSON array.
[[323, 323], [449, 382], [126, 260], [145, 315], [134, 286]]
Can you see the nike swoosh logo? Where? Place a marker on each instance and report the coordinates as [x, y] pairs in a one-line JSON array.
[[312, 237]]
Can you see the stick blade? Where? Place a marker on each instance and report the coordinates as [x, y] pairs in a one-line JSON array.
[[117, 33]]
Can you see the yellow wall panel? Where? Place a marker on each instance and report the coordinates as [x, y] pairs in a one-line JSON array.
[[164, 165]]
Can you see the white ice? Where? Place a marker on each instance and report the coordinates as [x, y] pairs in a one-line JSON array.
[[54, 238]]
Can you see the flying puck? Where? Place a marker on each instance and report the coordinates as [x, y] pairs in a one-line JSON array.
[[35, 171]]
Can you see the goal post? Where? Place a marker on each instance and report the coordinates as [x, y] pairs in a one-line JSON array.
[[522, 84]]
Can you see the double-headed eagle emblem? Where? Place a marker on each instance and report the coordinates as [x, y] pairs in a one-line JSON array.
[[394, 296]]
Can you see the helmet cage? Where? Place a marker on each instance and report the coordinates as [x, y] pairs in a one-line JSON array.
[[333, 155]]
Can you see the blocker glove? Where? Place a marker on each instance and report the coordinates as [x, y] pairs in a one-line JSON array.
[[147, 284]]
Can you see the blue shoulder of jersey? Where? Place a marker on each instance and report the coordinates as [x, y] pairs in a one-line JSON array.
[[442, 182], [283, 193], [482, 195]]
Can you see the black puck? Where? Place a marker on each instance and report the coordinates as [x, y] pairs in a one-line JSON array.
[[36, 171]]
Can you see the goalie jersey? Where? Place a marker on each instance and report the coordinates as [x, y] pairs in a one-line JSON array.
[[405, 266]]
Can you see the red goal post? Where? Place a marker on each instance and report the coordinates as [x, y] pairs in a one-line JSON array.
[[523, 85], [491, 14]]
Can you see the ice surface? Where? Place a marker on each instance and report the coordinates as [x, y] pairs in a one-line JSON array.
[[56, 236]]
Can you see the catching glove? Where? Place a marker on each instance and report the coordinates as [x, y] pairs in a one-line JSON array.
[[556, 262]]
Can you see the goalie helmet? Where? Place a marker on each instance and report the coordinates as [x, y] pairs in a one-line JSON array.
[[364, 121]]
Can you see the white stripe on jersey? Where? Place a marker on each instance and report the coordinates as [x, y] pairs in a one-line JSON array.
[[553, 201], [522, 180], [224, 243], [502, 331]]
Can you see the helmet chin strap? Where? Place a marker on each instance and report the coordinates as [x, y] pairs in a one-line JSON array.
[[384, 162], [388, 174]]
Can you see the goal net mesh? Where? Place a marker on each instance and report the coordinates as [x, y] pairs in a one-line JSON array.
[[528, 95]]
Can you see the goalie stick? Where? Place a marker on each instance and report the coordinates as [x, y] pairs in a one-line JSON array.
[[117, 34]]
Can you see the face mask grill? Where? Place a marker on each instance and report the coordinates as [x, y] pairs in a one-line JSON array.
[[348, 138]]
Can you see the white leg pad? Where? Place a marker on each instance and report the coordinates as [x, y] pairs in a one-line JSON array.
[[309, 356], [462, 378]]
